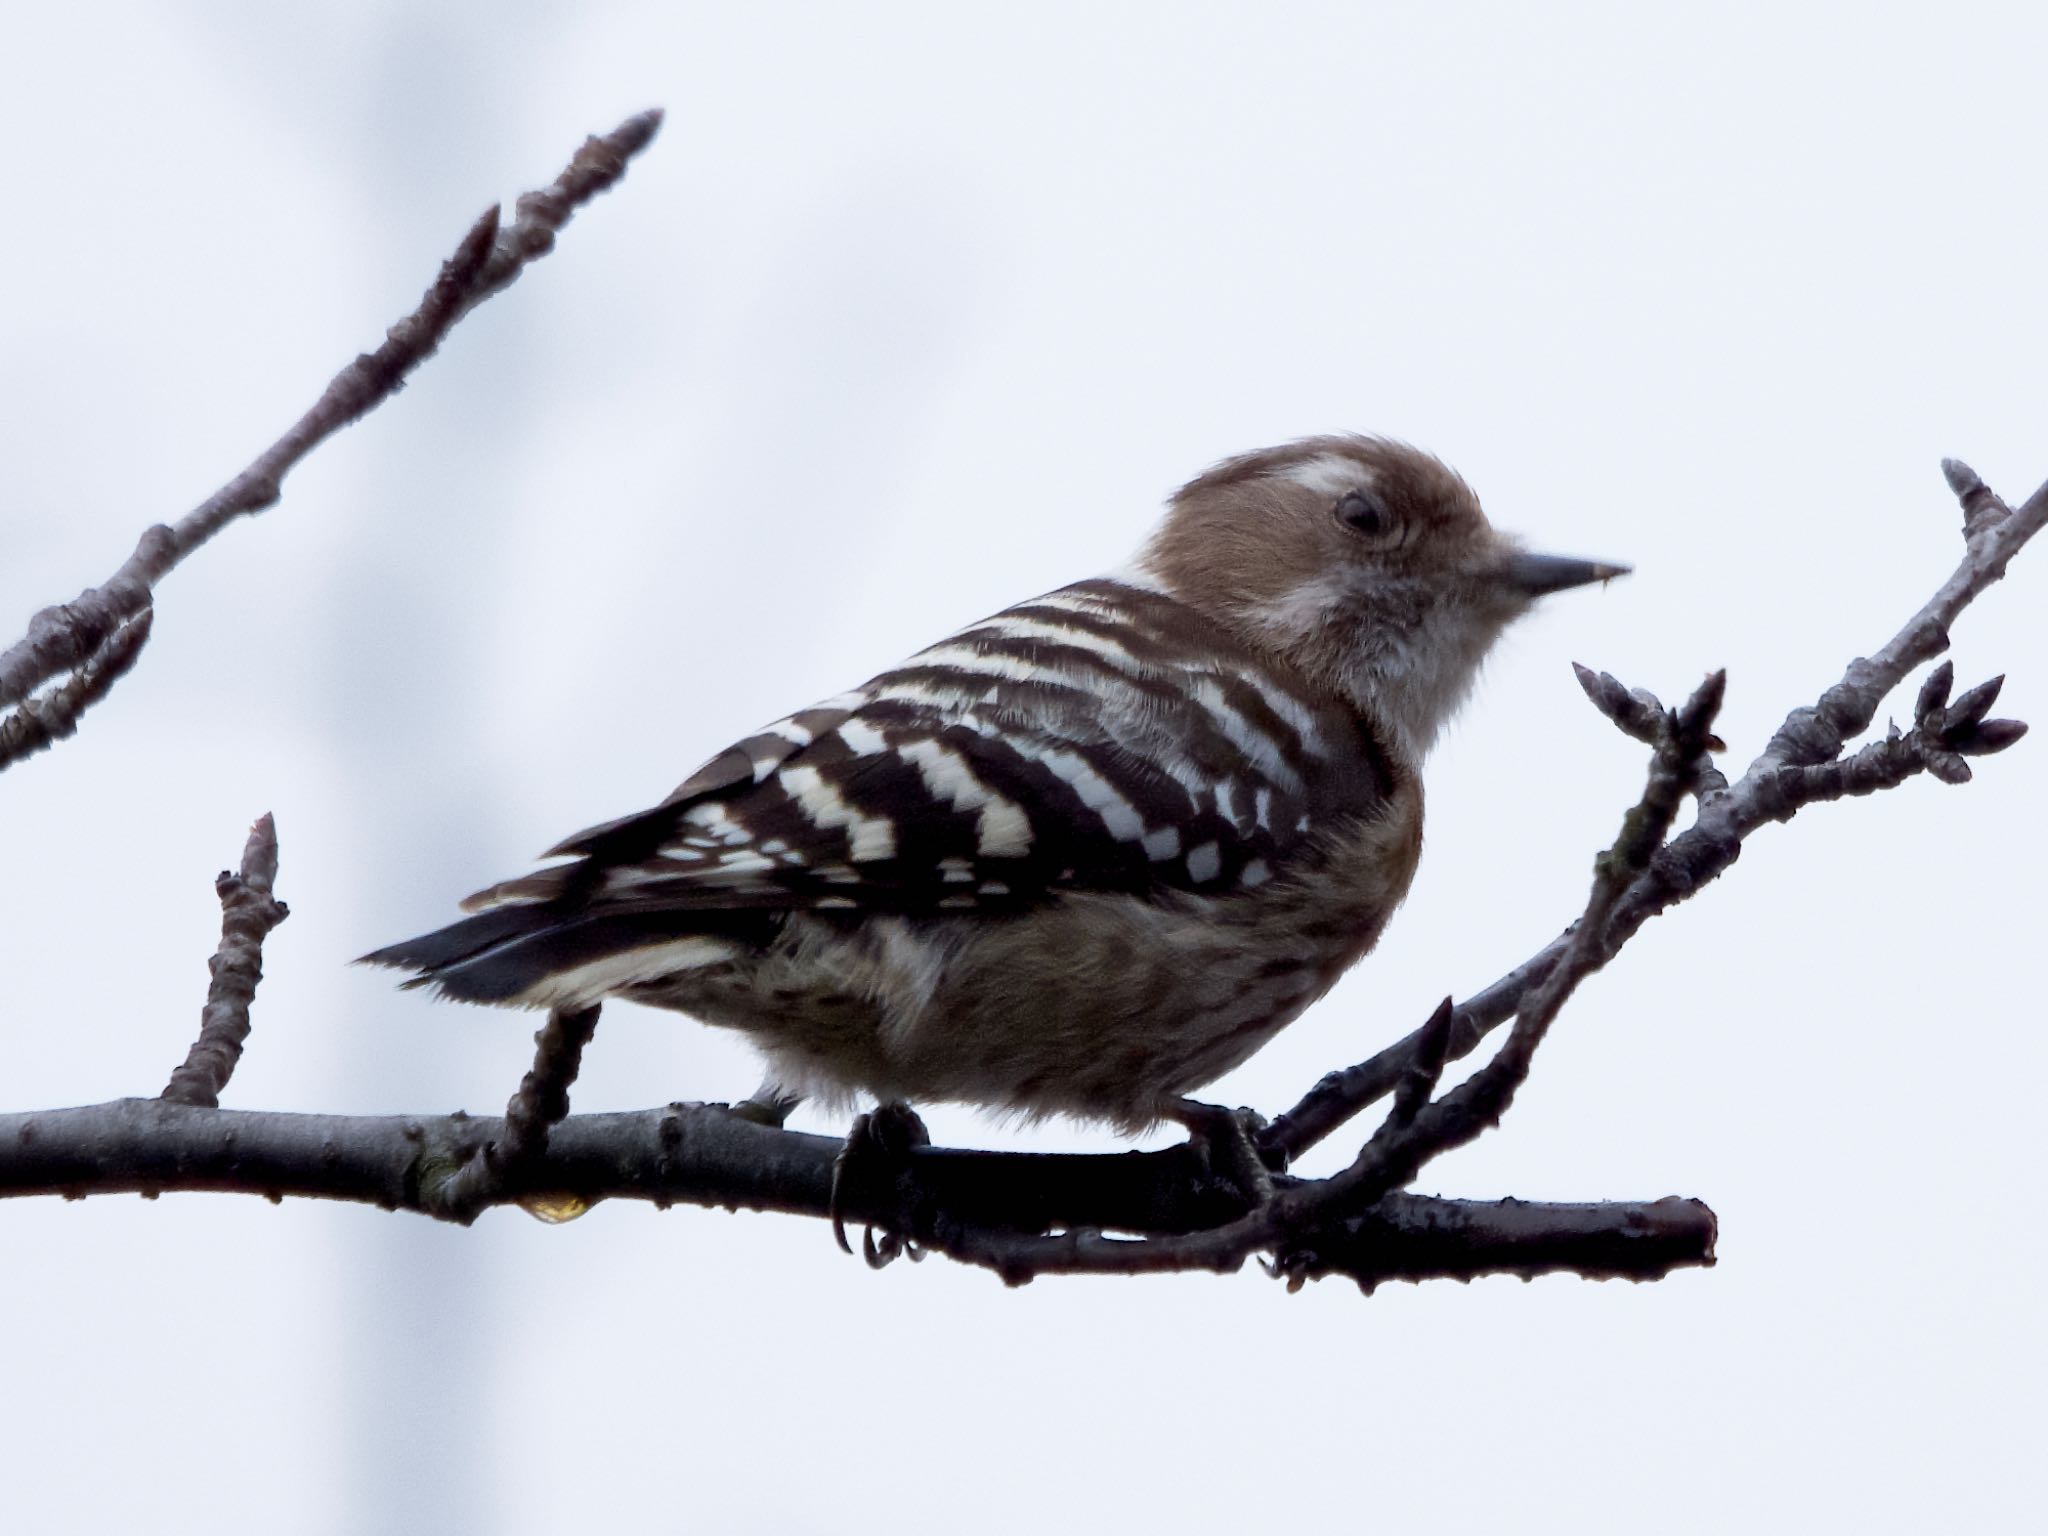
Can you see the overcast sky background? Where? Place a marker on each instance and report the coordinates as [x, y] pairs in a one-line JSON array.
[[911, 312]]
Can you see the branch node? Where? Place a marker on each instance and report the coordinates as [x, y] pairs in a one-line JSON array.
[[1933, 695], [1971, 708], [1992, 736], [1635, 711], [1982, 507], [1426, 1070]]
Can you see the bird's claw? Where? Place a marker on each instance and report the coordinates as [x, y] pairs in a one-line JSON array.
[[1225, 1141], [881, 1140]]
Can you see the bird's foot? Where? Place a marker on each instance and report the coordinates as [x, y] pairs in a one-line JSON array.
[[877, 1155], [1225, 1142]]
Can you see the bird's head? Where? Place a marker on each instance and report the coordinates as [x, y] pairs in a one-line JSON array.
[[1366, 563]]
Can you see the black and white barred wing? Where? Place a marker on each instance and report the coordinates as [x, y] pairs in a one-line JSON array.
[[1064, 743], [1098, 738]]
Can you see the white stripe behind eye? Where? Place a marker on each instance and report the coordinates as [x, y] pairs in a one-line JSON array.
[[1328, 474], [868, 837]]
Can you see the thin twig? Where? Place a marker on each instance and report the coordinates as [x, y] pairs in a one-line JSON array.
[[1634, 711], [1399, 1151], [489, 258], [1994, 534], [248, 911], [541, 1102], [1990, 540]]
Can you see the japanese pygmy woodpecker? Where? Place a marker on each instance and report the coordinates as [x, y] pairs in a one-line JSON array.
[[1081, 857]]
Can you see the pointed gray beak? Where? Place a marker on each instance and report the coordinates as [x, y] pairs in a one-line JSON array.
[[1534, 575]]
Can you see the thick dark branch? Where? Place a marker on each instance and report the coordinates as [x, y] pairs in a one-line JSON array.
[[1417, 1237], [489, 258], [705, 1155], [248, 912]]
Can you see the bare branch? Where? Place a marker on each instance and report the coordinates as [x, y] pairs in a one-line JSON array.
[[1982, 506], [48, 718], [1993, 535], [489, 258], [541, 1102], [1418, 1083], [1018, 1215], [1399, 1152], [1417, 1237], [1634, 710], [705, 1155], [248, 912]]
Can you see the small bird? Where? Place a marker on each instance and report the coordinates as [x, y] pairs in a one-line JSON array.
[[1082, 857]]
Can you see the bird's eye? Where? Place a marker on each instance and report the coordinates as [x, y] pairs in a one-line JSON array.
[[1364, 515]]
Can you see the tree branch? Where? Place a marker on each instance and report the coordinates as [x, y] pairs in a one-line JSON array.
[[705, 1155], [541, 1103], [44, 721], [1728, 815], [248, 912], [80, 634], [1019, 1215]]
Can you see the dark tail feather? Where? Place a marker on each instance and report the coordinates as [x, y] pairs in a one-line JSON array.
[[497, 955]]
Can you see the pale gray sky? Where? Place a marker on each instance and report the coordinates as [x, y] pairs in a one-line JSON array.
[[913, 311]]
